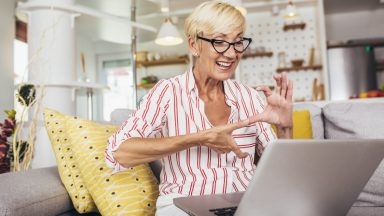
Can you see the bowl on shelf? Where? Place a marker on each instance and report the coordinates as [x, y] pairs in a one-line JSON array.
[[297, 62]]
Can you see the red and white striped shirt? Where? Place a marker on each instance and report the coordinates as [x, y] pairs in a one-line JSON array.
[[173, 108]]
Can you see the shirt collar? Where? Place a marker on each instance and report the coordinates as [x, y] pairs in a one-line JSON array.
[[230, 91], [190, 80]]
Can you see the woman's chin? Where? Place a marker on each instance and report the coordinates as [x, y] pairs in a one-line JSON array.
[[224, 73], [219, 75]]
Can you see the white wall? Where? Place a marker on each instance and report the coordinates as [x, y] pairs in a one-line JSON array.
[[107, 47], [7, 35], [355, 25]]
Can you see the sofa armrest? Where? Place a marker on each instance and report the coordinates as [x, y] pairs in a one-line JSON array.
[[33, 192]]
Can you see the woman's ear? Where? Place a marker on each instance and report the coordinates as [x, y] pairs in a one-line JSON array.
[[193, 47]]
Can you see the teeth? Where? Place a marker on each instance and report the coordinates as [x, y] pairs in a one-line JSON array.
[[224, 64]]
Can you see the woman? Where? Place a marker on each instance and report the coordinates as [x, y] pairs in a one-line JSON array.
[[203, 126]]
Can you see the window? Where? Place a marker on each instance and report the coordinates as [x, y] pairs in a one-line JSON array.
[[20, 65], [116, 72], [20, 62]]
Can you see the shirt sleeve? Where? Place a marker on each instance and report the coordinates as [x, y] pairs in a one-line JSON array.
[[145, 122], [265, 133]]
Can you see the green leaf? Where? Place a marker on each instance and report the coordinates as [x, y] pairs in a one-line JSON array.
[[11, 113]]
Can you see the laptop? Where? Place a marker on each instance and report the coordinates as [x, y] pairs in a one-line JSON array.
[[298, 178]]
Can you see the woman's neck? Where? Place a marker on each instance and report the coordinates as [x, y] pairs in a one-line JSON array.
[[208, 87]]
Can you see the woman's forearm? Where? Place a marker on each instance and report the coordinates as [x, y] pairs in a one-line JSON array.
[[135, 151]]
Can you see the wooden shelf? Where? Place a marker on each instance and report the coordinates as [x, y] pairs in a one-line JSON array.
[[259, 54], [380, 67], [180, 60], [146, 85], [355, 45], [314, 67], [373, 43], [287, 27]]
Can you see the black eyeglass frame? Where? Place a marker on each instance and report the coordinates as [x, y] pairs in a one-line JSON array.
[[212, 41]]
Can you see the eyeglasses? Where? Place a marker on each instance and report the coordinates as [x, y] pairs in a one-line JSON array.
[[221, 46]]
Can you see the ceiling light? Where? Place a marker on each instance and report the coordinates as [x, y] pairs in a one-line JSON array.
[[164, 6], [291, 11], [168, 34]]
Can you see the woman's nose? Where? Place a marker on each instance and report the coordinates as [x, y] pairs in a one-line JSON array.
[[231, 52]]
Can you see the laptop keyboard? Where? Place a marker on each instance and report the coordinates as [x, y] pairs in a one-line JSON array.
[[230, 211]]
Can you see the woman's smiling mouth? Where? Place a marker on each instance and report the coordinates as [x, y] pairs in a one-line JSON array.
[[224, 65]]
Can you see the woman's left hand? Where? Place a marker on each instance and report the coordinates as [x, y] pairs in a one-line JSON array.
[[279, 104]]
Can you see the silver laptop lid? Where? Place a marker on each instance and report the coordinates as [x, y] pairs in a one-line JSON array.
[[310, 177]]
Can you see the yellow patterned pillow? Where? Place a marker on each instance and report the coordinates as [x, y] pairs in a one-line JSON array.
[[67, 166], [130, 192]]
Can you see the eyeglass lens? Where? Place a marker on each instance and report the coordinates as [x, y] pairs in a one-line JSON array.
[[222, 46]]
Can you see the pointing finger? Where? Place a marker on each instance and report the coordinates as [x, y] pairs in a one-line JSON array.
[[256, 118], [237, 150], [239, 153], [237, 125]]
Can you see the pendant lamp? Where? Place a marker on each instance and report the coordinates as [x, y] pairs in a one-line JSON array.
[[168, 34], [291, 11]]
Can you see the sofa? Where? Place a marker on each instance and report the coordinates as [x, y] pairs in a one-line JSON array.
[[41, 192]]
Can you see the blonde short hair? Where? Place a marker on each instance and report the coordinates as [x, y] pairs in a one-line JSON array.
[[213, 17]]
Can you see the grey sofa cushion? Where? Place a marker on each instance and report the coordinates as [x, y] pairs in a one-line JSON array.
[[316, 118], [359, 120], [354, 120], [36, 192], [118, 116], [366, 211]]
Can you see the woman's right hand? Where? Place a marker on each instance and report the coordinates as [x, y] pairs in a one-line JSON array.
[[220, 138]]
